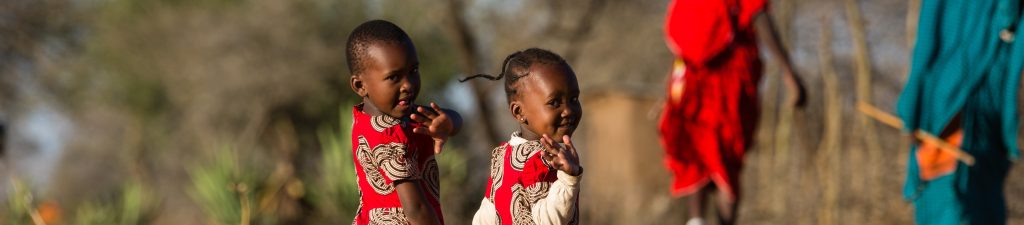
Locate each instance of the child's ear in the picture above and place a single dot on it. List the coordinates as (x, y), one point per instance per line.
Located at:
(517, 111)
(357, 85)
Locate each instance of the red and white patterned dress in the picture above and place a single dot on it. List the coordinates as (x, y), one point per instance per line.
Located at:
(385, 150)
(523, 189)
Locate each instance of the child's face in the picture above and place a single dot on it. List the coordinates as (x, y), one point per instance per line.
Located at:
(390, 79)
(549, 101)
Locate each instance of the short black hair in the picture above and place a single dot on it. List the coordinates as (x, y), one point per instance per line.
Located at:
(371, 32)
(517, 65)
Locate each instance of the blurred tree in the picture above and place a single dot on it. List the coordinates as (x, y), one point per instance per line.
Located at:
(162, 83)
(474, 60)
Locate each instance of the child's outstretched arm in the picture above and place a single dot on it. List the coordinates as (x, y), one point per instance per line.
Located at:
(438, 123)
(557, 207)
(765, 28)
(414, 204)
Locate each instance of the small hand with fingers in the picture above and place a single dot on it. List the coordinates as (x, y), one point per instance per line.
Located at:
(436, 124)
(797, 92)
(564, 158)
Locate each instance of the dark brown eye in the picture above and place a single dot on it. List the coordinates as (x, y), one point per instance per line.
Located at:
(554, 103)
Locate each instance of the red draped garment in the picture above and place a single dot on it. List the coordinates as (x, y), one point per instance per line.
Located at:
(712, 107)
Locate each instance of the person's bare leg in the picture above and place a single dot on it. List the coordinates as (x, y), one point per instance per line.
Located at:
(726, 208)
(696, 202)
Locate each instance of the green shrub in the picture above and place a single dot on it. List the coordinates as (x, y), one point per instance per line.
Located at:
(336, 195)
(133, 205)
(225, 190)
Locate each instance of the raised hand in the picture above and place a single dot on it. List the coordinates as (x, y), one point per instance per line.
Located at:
(564, 158)
(436, 123)
(797, 92)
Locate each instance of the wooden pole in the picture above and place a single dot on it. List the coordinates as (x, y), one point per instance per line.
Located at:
(862, 66)
(863, 182)
(895, 122)
(829, 163)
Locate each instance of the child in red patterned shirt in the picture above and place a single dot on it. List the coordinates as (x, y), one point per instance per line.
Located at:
(534, 179)
(393, 140)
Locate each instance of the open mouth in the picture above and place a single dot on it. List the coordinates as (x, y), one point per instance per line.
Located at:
(406, 101)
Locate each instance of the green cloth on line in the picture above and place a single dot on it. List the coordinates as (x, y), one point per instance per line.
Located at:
(960, 64)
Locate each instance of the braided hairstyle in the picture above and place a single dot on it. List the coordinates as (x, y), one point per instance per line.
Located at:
(368, 33)
(517, 65)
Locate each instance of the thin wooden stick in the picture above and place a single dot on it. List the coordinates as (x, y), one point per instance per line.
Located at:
(895, 122)
(880, 115)
(243, 199)
(33, 212)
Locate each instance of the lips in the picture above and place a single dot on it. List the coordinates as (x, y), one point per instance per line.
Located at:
(566, 126)
(405, 101)
(567, 123)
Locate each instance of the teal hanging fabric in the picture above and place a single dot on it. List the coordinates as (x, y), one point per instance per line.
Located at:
(965, 61)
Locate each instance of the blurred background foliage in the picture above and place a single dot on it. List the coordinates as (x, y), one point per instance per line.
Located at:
(229, 105)
(238, 111)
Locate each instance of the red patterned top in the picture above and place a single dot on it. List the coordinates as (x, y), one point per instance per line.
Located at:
(386, 150)
(520, 180)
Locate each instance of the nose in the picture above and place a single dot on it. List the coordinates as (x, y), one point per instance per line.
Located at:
(406, 87)
(410, 84)
(570, 111)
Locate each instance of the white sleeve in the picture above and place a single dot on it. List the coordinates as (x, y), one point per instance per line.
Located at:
(486, 215)
(557, 207)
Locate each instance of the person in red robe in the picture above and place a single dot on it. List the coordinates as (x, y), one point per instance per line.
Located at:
(712, 108)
